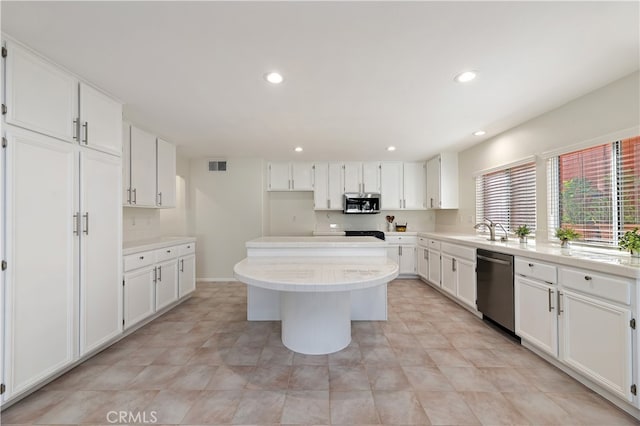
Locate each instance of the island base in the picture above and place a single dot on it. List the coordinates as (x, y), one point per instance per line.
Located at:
(316, 323)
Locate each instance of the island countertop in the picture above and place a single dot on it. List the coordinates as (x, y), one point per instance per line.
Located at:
(310, 242)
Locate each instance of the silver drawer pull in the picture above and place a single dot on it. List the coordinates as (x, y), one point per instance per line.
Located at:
(587, 278)
(531, 265)
(168, 251)
(141, 257)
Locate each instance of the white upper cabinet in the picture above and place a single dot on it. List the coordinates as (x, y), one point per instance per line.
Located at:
(328, 186)
(361, 177)
(100, 121)
(285, 176)
(166, 169)
(403, 185)
(143, 168)
(442, 181)
(40, 96)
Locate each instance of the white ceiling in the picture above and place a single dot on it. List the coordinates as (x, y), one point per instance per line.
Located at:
(359, 76)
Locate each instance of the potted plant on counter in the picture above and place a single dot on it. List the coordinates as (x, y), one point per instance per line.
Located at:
(522, 231)
(565, 235)
(631, 241)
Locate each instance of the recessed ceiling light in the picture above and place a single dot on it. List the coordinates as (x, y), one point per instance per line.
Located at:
(391, 148)
(479, 133)
(298, 149)
(466, 76)
(274, 77)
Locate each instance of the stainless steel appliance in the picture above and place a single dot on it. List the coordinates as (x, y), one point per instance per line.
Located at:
(361, 203)
(378, 234)
(494, 280)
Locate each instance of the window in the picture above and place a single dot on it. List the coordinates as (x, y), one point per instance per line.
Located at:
(596, 191)
(508, 196)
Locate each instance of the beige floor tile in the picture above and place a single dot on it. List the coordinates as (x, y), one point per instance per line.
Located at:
(230, 377)
(155, 377)
(448, 358)
(214, 408)
(273, 355)
(170, 406)
(208, 356)
(590, 409)
(550, 379)
(351, 355)
(193, 377)
(309, 377)
(301, 359)
(77, 379)
(482, 357)
(142, 356)
(540, 409)
(116, 377)
(348, 378)
(508, 379)
(378, 355)
(427, 379)
(491, 408)
(416, 356)
(32, 408)
(399, 407)
(433, 340)
(353, 407)
(447, 408)
(387, 378)
(270, 377)
(258, 407)
(175, 356)
(129, 401)
(468, 379)
(306, 407)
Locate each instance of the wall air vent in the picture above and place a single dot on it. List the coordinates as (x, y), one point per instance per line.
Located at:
(217, 166)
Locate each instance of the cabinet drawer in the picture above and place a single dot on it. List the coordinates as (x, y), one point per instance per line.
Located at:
(139, 260)
(396, 239)
(434, 245)
(459, 251)
(166, 253)
(186, 249)
(534, 269)
(423, 242)
(616, 289)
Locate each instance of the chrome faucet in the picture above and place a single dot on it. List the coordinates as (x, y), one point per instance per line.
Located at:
(491, 226)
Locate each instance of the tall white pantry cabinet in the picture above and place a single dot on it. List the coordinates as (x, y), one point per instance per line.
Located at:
(62, 216)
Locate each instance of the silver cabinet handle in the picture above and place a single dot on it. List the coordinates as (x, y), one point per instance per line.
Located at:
(76, 130)
(587, 278)
(181, 265)
(76, 224)
(159, 273)
(86, 223)
(454, 265)
(155, 275)
(135, 196)
(400, 203)
(328, 204)
(560, 310)
(531, 265)
(86, 133)
(168, 251)
(159, 198)
(141, 257)
(431, 201)
(399, 250)
(129, 195)
(550, 293)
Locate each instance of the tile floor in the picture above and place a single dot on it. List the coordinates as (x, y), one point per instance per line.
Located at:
(431, 363)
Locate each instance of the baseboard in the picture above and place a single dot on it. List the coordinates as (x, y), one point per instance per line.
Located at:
(214, 280)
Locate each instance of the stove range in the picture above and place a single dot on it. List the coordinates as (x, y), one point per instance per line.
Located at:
(377, 234)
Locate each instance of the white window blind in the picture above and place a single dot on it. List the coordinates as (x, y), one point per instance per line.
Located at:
(596, 191)
(508, 196)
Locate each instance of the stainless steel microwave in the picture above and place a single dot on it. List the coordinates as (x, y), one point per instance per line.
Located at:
(361, 203)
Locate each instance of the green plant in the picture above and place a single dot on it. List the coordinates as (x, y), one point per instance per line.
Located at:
(582, 203)
(522, 231)
(567, 234)
(630, 241)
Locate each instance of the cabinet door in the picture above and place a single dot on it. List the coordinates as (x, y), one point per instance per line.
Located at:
(391, 185)
(407, 260)
(393, 253)
(596, 341)
(139, 295)
(143, 168)
(39, 95)
(101, 259)
(126, 164)
(536, 318)
(423, 262)
(302, 176)
(41, 293)
(434, 267)
(370, 177)
(166, 283)
(279, 176)
(187, 276)
(336, 185)
(320, 186)
(415, 182)
(467, 282)
(101, 121)
(352, 177)
(449, 274)
(433, 183)
(166, 167)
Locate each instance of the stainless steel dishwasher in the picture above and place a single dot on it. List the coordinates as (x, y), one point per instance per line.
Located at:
(494, 278)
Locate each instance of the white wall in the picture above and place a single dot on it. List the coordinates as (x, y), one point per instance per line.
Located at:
(610, 109)
(226, 211)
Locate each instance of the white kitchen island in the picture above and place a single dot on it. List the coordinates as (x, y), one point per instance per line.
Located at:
(316, 286)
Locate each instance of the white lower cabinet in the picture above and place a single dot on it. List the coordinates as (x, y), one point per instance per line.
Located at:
(422, 262)
(402, 249)
(536, 318)
(458, 272)
(139, 295)
(186, 275)
(448, 274)
(467, 282)
(166, 283)
(596, 341)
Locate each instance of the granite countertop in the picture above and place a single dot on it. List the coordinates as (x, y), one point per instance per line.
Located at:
(603, 260)
(137, 246)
